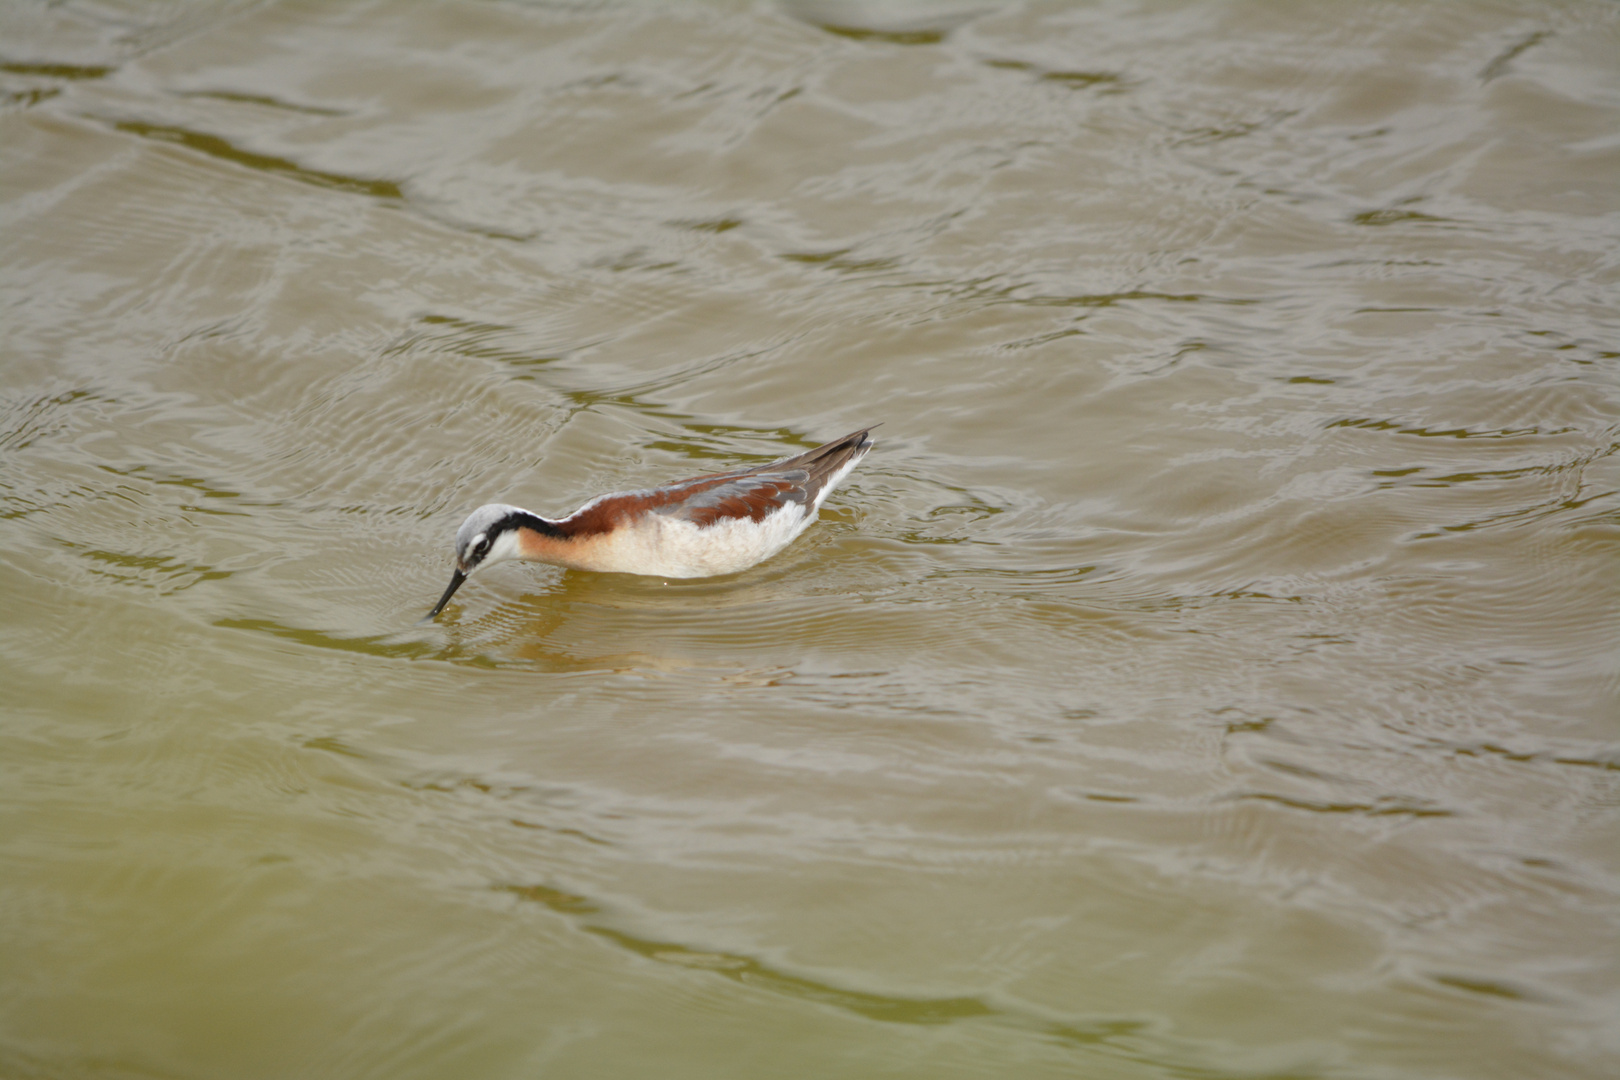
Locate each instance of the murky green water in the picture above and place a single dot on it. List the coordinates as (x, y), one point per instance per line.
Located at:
(1212, 672)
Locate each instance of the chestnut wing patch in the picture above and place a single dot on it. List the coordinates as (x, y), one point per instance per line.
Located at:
(742, 496)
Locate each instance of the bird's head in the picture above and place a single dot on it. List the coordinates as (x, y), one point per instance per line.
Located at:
(488, 536)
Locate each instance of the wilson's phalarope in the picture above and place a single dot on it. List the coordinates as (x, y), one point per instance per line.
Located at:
(718, 523)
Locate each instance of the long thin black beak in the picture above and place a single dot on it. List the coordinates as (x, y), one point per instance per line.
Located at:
(455, 583)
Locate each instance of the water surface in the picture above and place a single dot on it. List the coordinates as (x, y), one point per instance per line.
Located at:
(1211, 673)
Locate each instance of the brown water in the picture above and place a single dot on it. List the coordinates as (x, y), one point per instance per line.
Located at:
(1212, 672)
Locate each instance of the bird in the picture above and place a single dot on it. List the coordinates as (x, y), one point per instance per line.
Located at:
(718, 523)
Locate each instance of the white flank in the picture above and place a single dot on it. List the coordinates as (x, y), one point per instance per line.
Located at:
(663, 546)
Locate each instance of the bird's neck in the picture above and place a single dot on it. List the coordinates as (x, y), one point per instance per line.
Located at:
(524, 520)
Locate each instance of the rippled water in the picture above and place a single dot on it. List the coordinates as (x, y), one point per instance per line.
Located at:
(1211, 673)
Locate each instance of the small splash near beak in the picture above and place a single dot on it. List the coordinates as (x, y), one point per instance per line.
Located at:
(455, 583)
